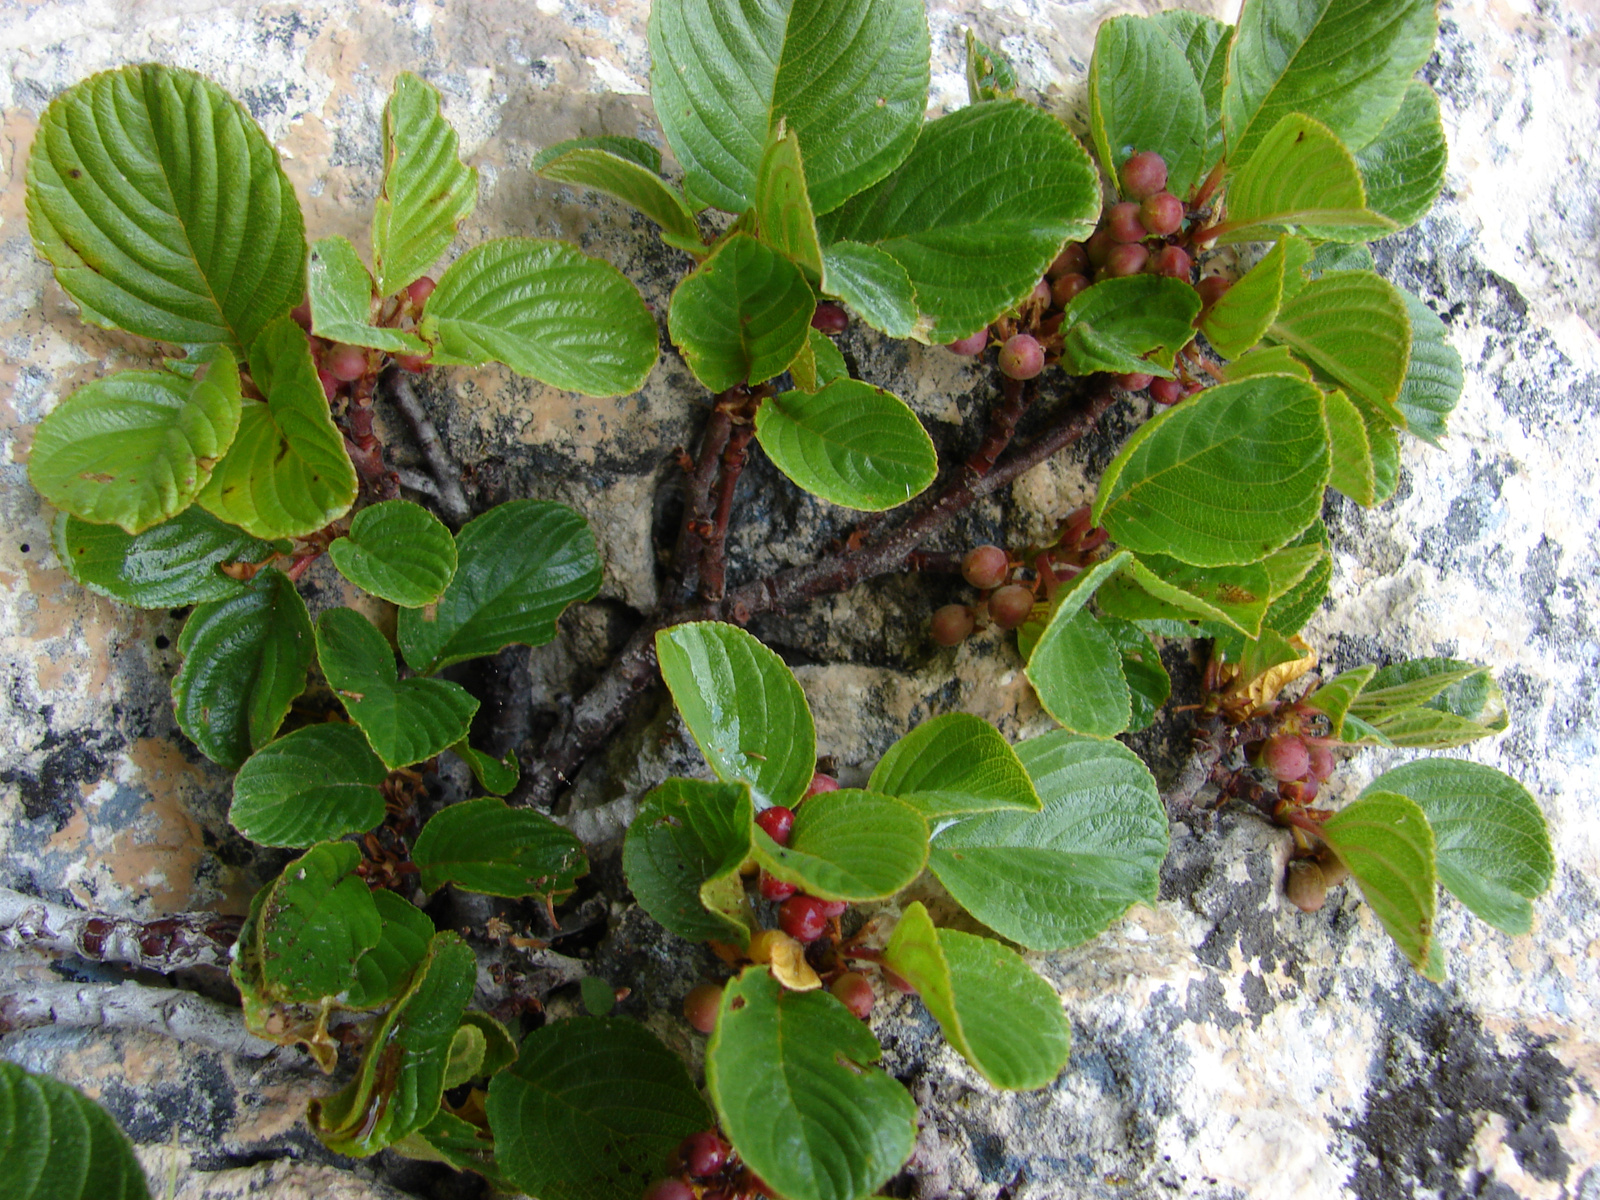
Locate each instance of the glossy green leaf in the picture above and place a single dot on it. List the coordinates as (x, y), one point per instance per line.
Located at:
(682, 857)
(287, 473)
(500, 1049)
(1158, 588)
(742, 315)
(1334, 697)
(57, 1144)
(458, 1143)
(790, 1075)
(998, 1014)
(783, 205)
(1149, 685)
(1294, 605)
(976, 213)
(406, 720)
(1242, 317)
(1352, 472)
(1144, 96)
(312, 785)
(341, 301)
(487, 846)
(427, 191)
(164, 210)
(954, 764)
(630, 170)
(466, 1055)
(990, 75)
(244, 661)
(851, 83)
(545, 310)
(851, 443)
(849, 845)
(519, 566)
(398, 551)
(1347, 63)
(1301, 179)
(400, 1082)
(266, 1015)
(1385, 840)
(134, 449)
(1052, 879)
(1385, 443)
(1403, 167)
(743, 707)
(591, 1110)
(1492, 844)
(1114, 324)
(1266, 360)
(1353, 327)
(1074, 666)
(495, 775)
(1204, 42)
(167, 566)
(385, 971)
(1433, 380)
(818, 364)
(318, 919)
(872, 283)
(1224, 478)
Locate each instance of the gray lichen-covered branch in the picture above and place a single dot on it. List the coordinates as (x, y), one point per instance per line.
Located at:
(165, 945)
(166, 1011)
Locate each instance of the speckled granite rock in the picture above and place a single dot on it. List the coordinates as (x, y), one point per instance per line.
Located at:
(1225, 1044)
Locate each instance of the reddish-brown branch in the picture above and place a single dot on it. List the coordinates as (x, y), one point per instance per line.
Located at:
(690, 550)
(714, 559)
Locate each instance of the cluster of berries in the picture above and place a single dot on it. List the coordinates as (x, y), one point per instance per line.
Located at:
(339, 366)
(1300, 765)
(707, 1168)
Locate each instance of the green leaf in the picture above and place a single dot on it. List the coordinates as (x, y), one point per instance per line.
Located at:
(57, 1144)
(385, 971)
(1492, 844)
(341, 301)
(545, 310)
(599, 997)
(1224, 478)
(682, 857)
(849, 845)
(851, 443)
(592, 1110)
(620, 167)
(952, 765)
(1204, 42)
(741, 316)
(398, 551)
(466, 1054)
(164, 210)
(1346, 63)
(519, 566)
(1408, 684)
(1385, 444)
(830, 362)
(400, 1082)
(1403, 167)
(1242, 317)
(134, 449)
(1431, 703)
(1334, 697)
(496, 775)
(244, 661)
(1353, 327)
(1143, 95)
(487, 846)
(427, 191)
(1385, 840)
(167, 566)
(1352, 471)
(500, 1050)
(1266, 360)
(976, 213)
(852, 86)
(782, 205)
(1149, 685)
(1301, 179)
(790, 1077)
(312, 785)
(287, 473)
(317, 920)
(872, 283)
(990, 75)
(406, 720)
(1114, 324)
(743, 707)
(1052, 879)
(1074, 666)
(998, 1014)
(1158, 588)
(1433, 379)
(1292, 607)
(457, 1143)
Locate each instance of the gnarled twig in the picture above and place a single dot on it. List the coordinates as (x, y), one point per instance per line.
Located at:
(166, 944)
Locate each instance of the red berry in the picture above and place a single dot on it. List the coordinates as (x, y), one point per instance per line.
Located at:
(833, 908)
(703, 1153)
(347, 363)
(1122, 222)
(1010, 606)
(975, 343)
(1066, 287)
(1212, 288)
(1305, 885)
(1041, 293)
(830, 319)
(330, 385)
(302, 314)
(776, 822)
(701, 1004)
(1134, 382)
(1166, 391)
(670, 1189)
(1321, 762)
(1071, 261)
(951, 625)
(1174, 263)
(821, 783)
(1021, 357)
(985, 566)
(1127, 260)
(803, 918)
(853, 990)
(1161, 214)
(420, 290)
(415, 363)
(1098, 246)
(1286, 756)
(1144, 174)
(775, 889)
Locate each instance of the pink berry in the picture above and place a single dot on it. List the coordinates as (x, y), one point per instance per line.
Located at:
(1321, 762)
(833, 908)
(420, 290)
(1011, 606)
(1021, 357)
(776, 822)
(985, 566)
(701, 1004)
(853, 990)
(803, 918)
(1144, 174)
(302, 314)
(821, 783)
(1161, 214)
(1286, 756)
(1212, 288)
(670, 1189)
(1166, 391)
(975, 343)
(1066, 287)
(347, 363)
(1134, 382)
(1127, 260)
(775, 889)
(703, 1153)
(415, 363)
(1071, 261)
(951, 625)
(330, 385)
(1098, 247)
(1174, 263)
(830, 319)
(1122, 220)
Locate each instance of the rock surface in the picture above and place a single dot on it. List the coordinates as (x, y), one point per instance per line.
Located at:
(1226, 1045)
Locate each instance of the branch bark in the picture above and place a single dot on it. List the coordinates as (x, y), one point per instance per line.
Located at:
(167, 1011)
(165, 945)
(446, 474)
